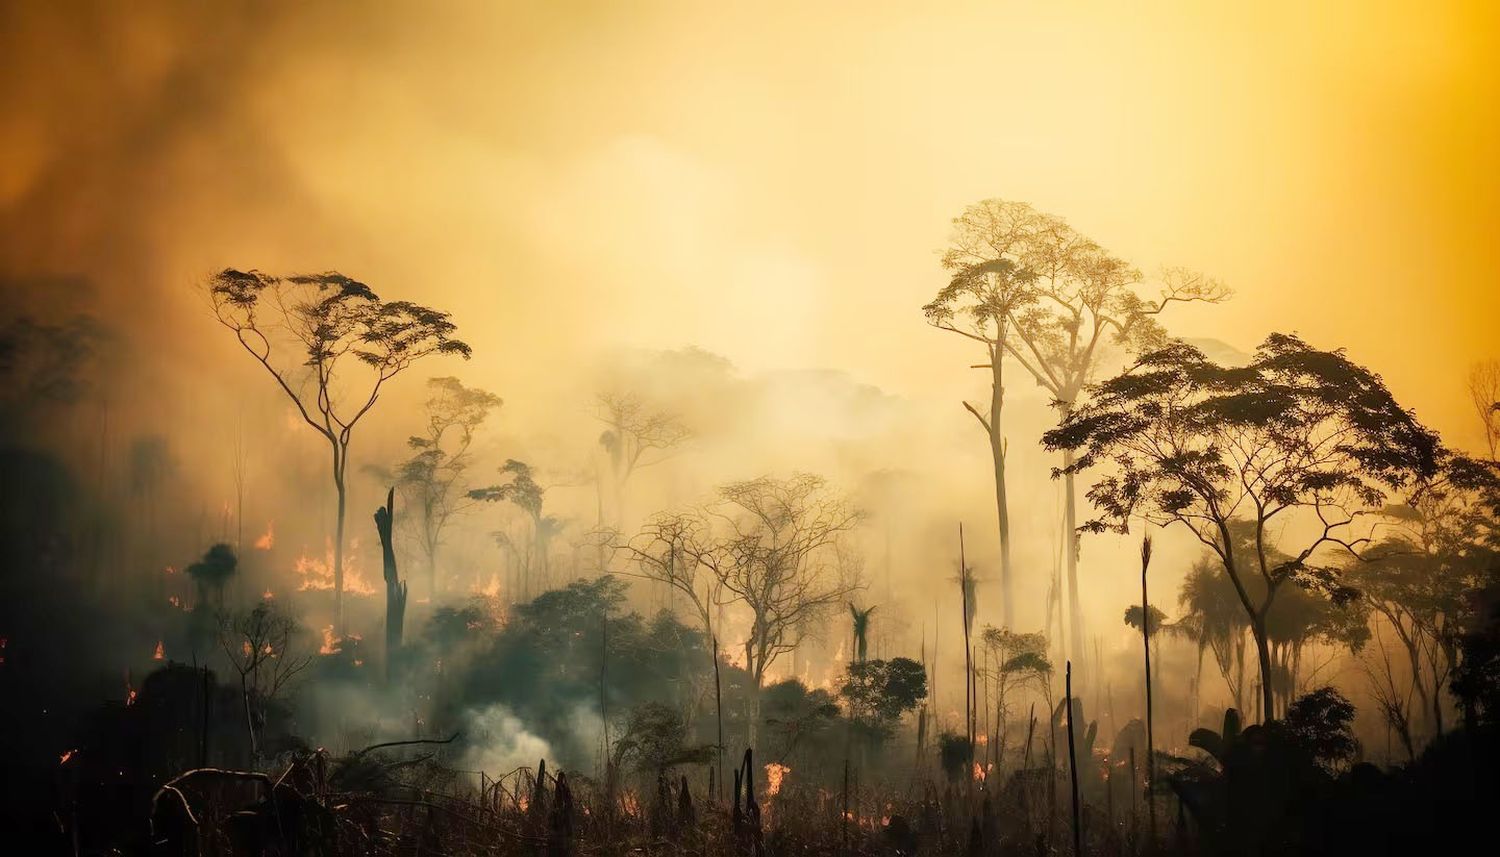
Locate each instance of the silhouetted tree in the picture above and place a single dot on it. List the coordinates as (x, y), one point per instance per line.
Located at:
(1037, 292)
(1215, 619)
(1201, 445)
(879, 692)
(860, 626)
(432, 480)
(772, 554)
(528, 495)
(635, 436)
(261, 645)
(1421, 578)
(1484, 395)
(1020, 660)
(211, 574)
(308, 332)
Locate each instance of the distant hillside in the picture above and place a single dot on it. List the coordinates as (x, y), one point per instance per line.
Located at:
(1218, 350)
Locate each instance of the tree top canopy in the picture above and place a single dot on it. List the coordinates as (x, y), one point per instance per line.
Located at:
(1202, 444)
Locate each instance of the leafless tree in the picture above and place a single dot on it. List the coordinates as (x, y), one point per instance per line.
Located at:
(773, 550)
(313, 334)
(1484, 392)
(261, 645)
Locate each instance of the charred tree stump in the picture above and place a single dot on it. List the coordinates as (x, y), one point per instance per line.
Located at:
(1073, 764)
(686, 817)
(560, 826)
(395, 588)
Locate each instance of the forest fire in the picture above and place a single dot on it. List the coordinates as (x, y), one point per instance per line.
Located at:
(267, 539)
(490, 589)
(682, 396)
(317, 573)
(775, 773)
(332, 645)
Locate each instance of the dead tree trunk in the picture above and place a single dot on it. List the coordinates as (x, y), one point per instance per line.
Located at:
(395, 588)
(1150, 724)
(1073, 764)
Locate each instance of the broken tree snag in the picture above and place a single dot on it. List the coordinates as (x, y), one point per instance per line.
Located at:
(560, 825)
(395, 588)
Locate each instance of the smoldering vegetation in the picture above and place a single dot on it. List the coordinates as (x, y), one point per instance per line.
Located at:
(650, 625)
(419, 556)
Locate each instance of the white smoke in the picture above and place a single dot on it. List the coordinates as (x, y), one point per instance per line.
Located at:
(499, 742)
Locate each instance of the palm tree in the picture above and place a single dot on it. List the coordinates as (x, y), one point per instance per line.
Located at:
(861, 621)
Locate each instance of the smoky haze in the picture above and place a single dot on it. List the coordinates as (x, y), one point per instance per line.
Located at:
(611, 198)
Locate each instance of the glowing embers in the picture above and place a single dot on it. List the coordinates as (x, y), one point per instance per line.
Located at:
(316, 574)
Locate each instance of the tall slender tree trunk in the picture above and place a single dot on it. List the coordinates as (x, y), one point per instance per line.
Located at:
(1070, 552)
(1073, 765)
(718, 711)
(1263, 653)
(963, 587)
(395, 588)
(338, 543)
(1150, 719)
(1002, 506)
(753, 721)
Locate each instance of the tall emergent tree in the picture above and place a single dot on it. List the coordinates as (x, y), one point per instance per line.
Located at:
(432, 479)
(1037, 292)
(313, 333)
(1298, 436)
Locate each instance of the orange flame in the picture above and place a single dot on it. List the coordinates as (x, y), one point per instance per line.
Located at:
(68, 755)
(488, 590)
(775, 773)
(331, 645)
(317, 574)
(159, 653)
(267, 595)
(267, 539)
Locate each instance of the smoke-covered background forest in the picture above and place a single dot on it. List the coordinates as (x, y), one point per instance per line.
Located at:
(723, 369)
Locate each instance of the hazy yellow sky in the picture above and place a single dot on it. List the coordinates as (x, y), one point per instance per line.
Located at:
(770, 181)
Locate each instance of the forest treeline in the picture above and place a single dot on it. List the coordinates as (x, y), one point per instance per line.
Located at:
(712, 675)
